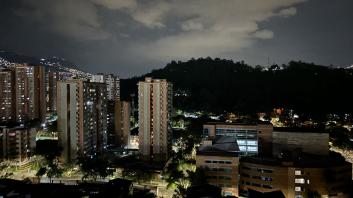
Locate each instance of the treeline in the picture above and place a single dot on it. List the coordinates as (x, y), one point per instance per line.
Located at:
(219, 85)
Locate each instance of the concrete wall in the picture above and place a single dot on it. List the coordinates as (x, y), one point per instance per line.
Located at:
(313, 143)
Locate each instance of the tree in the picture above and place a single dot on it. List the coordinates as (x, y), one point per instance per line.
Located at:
(198, 177)
(41, 171)
(94, 166)
(54, 171)
(137, 174)
(51, 152)
(4, 173)
(341, 137)
(145, 193)
(313, 194)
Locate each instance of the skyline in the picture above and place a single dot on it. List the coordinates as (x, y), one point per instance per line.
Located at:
(133, 37)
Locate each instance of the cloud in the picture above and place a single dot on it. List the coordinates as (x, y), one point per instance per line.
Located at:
(161, 29)
(76, 19)
(288, 12)
(116, 4)
(191, 25)
(152, 13)
(263, 34)
(212, 28)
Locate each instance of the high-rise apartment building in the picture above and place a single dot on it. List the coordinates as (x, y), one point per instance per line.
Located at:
(6, 96)
(82, 117)
(122, 123)
(155, 109)
(22, 108)
(113, 96)
(50, 80)
(113, 84)
(39, 92)
(26, 86)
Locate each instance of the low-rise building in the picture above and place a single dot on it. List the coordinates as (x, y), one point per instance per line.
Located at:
(220, 159)
(252, 138)
(297, 176)
(308, 140)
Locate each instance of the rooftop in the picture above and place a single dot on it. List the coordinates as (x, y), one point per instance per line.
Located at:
(299, 160)
(221, 146)
(247, 123)
(300, 129)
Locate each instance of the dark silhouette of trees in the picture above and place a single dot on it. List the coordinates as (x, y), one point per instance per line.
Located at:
(51, 151)
(198, 177)
(341, 137)
(219, 85)
(94, 166)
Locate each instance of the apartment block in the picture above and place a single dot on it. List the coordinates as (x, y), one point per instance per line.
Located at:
(155, 111)
(82, 117)
(29, 93)
(17, 143)
(7, 107)
(122, 123)
(113, 84)
(51, 79)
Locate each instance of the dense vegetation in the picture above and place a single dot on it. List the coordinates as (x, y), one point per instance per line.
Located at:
(218, 85)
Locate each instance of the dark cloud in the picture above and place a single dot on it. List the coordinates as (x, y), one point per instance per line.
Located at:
(130, 37)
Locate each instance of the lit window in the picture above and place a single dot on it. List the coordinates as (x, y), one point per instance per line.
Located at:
(298, 189)
(299, 181)
(298, 172)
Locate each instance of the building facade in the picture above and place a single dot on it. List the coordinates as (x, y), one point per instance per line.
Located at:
(122, 123)
(82, 117)
(252, 138)
(39, 98)
(113, 84)
(155, 111)
(17, 143)
(113, 96)
(311, 176)
(51, 79)
(313, 141)
(220, 161)
(22, 93)
(6, 96)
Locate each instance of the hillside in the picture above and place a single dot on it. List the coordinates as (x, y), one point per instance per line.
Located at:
(223, 85)
(52, 63)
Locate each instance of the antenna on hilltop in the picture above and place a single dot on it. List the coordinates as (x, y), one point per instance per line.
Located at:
(268, 60)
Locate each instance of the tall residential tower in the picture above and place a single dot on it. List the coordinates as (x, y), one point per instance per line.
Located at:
(155, 109)
(22, 93)
(6, 96)
(82, 117)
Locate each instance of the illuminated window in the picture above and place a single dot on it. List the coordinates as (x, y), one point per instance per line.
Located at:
(298, 172)
(299, 181)
(298, 189)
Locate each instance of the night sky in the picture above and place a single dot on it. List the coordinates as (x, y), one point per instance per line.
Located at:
(132, 37)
